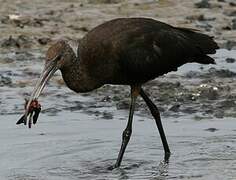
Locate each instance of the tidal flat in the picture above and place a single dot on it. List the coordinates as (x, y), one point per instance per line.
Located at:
(78, 136)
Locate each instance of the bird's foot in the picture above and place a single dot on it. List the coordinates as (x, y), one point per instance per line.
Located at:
(113, 167)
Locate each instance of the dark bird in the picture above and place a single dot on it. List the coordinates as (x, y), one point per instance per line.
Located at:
(126, 51)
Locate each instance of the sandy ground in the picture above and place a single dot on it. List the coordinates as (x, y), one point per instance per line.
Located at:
(78, 136)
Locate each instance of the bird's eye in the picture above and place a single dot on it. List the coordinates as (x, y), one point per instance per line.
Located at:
(58, 57)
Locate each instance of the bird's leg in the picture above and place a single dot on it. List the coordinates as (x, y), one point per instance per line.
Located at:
(128, 130)
(156, 114)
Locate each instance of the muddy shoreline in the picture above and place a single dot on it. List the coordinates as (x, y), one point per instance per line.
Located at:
(194, 102)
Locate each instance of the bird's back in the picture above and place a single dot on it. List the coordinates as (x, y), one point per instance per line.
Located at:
(135, 50)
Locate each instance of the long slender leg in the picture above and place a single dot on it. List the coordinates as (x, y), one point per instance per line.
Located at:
(156, 114)
(128, 130)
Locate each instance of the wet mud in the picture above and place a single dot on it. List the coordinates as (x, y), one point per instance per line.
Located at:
(78, 135)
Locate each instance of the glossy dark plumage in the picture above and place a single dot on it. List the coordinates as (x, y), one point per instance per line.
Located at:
(135, 50)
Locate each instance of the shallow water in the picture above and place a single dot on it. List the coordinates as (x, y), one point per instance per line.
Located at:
(76, 146)
(79, 136)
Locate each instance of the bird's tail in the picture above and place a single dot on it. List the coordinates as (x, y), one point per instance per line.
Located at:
(203, 45)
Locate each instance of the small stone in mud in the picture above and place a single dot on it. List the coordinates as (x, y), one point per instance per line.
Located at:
(85, 29)
(24, 41)
(103, 1)
(175, 108)
(234, 24)
(203, 4)
(107, 115)
(227, 28)
(219, 114)
(232, 4)
(230, 45)
(222, 73)
(230, 60)
(5, 81)
(189, 110)
(44, 41)
(211, 129)
(200, 17)
(77, 28)
(122, 105)
(196, 17)
(205, 26)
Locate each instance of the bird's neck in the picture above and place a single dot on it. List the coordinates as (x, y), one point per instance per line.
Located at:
(75, 76)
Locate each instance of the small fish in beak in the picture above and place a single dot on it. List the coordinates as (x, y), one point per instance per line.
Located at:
(54, 61)
(32, 106)
(33, 111)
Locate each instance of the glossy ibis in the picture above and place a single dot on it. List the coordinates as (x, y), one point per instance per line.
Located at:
(126, 51)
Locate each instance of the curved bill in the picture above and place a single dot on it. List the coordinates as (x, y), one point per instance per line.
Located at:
(49, 69)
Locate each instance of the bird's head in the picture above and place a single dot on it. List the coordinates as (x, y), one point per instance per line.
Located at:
(57, 57)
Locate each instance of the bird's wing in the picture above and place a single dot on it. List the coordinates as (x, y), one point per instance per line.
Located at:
(149, 54)
(152, 54)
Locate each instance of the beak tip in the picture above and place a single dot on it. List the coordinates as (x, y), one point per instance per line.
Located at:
(21, 120)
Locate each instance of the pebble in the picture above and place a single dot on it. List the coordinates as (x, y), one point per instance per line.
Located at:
(200, 17)
(107, 115)
(44, 40)
(227, 28)
(203, 4)
(232, 4)
(231, 44)
(230, 60)
(122, 105)
(74, 108)
(219, 114)
(234, 24)
(103, 1)
(205, 26)
(175, 108)
(222, 73)
(5, 81)
(211, 129)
